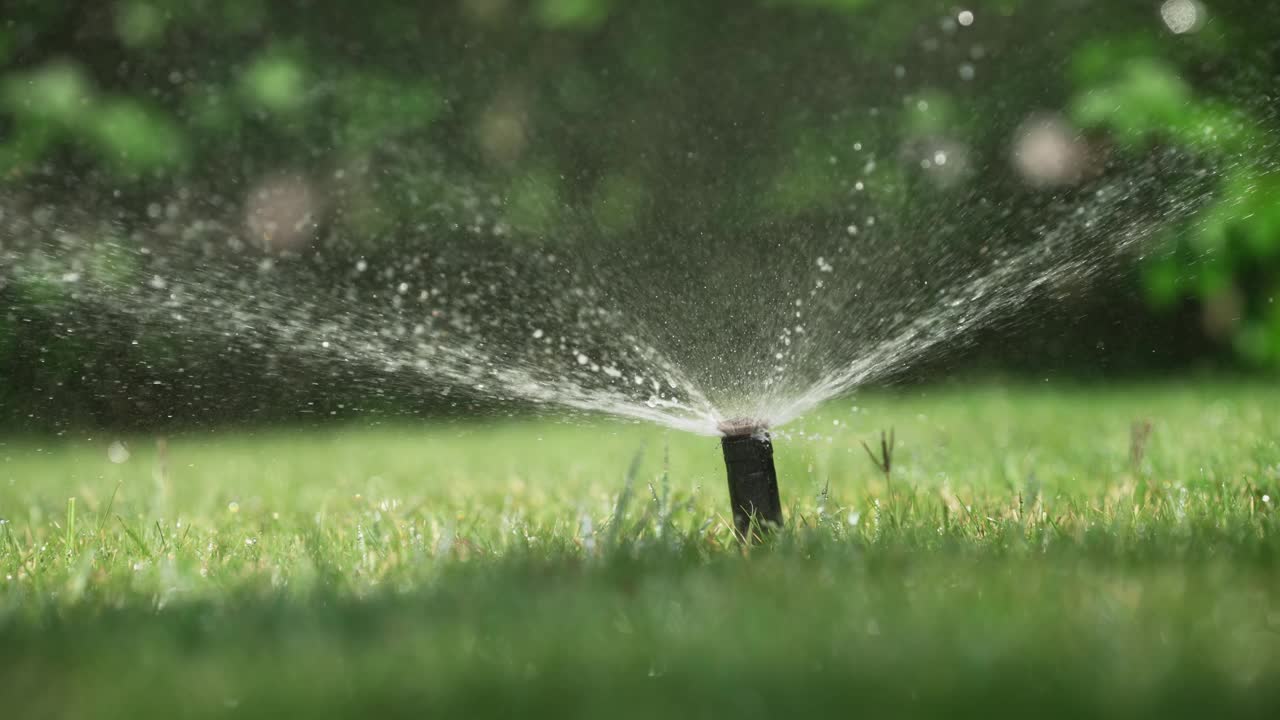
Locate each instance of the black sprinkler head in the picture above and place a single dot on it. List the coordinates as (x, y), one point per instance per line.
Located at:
(753, 481)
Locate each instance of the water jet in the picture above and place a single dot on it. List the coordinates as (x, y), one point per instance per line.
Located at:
(753, 480)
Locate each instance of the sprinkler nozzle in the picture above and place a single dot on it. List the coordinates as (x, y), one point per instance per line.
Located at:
(753, 481)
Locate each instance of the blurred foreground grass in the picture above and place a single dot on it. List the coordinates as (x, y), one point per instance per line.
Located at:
(1036, 553)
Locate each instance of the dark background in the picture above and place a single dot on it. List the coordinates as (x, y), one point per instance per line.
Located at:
(646, 123)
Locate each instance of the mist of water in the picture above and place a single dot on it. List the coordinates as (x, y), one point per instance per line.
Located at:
(815, 320)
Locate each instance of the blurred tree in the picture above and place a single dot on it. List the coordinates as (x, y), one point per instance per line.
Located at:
(1139, 90)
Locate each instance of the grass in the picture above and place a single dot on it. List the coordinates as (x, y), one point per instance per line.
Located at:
(1033, 552)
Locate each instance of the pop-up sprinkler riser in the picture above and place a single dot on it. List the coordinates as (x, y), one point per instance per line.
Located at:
(753, 481)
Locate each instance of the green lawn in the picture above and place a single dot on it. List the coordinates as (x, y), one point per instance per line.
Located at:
(1021, 562)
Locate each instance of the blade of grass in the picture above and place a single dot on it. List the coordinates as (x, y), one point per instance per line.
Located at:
(134, 537)
(69, 542)
(106, 513)
(624, 497)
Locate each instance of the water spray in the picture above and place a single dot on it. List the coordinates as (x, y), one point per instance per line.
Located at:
(753, 481)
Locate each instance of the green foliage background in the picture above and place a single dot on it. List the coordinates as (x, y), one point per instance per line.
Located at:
(554, 104)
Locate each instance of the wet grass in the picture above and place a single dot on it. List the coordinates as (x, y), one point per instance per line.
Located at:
(1034, 551)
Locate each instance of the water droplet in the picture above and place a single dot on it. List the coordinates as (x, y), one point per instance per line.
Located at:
(117, 452)
(1182, 16)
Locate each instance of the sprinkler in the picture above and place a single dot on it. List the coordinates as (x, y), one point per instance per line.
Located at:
(753, 481)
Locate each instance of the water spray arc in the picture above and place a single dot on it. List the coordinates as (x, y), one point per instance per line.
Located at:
(753, 480)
